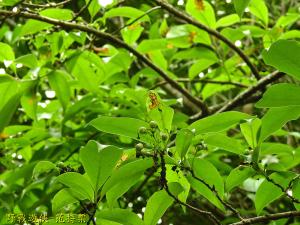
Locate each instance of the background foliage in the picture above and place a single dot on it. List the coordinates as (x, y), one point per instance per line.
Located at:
(153, 111)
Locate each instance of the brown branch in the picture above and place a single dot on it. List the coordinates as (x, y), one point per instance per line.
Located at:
(171, 9)
(82, 10)
(110, 38)
(204, 81)
(269, 217)
(251, 90)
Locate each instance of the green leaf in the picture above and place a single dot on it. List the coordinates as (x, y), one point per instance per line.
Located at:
(237, 176)
(296, 192)
(43, 167)
(34, 26)
(78, 183)
(151, 45)
(250, 129)
(128, 12)
(284, 55)
(132, 33)
(94, 7)
(121, 188)
(228, 20)
(274, 96)
(99, 162)
(206, 171)
(269, 192)
(121, 216)
(226, 143)
(125, 172)
(123, 126)
(201, 65)
(259, 9)
(203, 13)
(218, 122)
(60, 85)
(62, 199)
(156, 206)
(240, 6)
(183, 141)
(29, 60)
(6, 52)
(276, 118)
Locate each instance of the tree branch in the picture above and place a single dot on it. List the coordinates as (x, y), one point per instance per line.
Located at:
(48, 5)
(269, 217)
(114, 40)
(171, 9)
(251, 90)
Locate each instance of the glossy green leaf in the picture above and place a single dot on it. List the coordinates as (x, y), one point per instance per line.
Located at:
(99, 162)
(183, 141)
(273, 97)
(284, 55)
(218, 122)
(60, 85)
(94, 7)
(123, 126)
(250, 129)
(29, 60)
(276, 118)
(225, 143)
(296, 192)
(125, 172)
(121, 216)
(228, 20)
(269, 192)
(156, 206)
(6, 52)
(43, 167)
(128, 12)
(62, 199)
(240, 6)
(202, 11)
(238, 176)
(259, 9)
(82, 189)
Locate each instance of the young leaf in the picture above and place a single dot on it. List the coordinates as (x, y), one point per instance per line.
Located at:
(6, 52)
(123, 126)
(237, 176)
(183, 141)
(43, 167)
(78, 183)
(273, 97)
(250, 129)
(228, 20)
(156, 206)
(284, 55)
(218, 122)
(99, 162)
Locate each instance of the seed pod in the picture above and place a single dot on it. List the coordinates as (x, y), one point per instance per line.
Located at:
(139, 146)
(164, 136)
(142, 130)
(153, 124)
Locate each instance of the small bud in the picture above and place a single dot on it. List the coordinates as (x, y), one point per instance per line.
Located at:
(153, 124)
(142, 130)
(139, 146)
(164, 136)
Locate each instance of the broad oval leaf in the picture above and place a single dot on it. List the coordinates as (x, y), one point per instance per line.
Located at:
(156, 206)
(237, 176)
(123, 126)
(284, 55)
(183, 141)
(218, 122)
(121, 216)
(62, 199)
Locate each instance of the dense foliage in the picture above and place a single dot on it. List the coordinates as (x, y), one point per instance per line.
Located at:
(149, 112)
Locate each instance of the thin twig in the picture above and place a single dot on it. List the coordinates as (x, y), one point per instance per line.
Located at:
(82, 10)
(171, 9)
(204, 81)
(251, 90)
(112, 39)
(269, 217)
